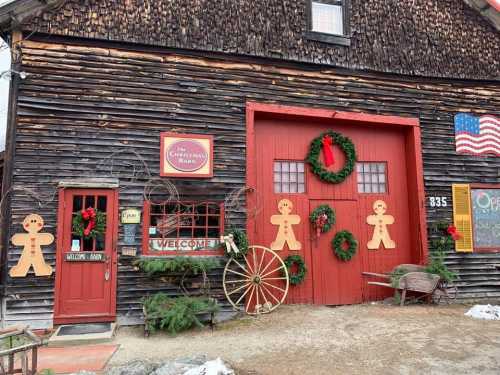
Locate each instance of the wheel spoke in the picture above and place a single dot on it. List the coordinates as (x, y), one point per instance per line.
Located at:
(261, 261)
(270, 272)
(248, 264)
(242, 296)
(274, 286)
(247, 305)
(272, 295)
(264, 295)
(254, 255)
(268, 264)
(243, 268)
(238, 273)
(273, 278)
(236, 281)
(237, 289)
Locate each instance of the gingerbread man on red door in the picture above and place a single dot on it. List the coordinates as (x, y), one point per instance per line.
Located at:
(380, 221)
(32, 253)
(285, 230)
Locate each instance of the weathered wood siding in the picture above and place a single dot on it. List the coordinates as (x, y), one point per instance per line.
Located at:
(444, 38)
(87, 112)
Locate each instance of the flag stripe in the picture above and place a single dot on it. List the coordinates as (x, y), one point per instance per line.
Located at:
(477, 135)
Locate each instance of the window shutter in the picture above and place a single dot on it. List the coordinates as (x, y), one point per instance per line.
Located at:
(462, 217)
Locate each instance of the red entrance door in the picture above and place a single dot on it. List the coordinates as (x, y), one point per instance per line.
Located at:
(281, 146)
(86, 267)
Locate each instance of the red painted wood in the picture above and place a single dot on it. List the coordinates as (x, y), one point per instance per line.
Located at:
(284, 133)
(82, 294)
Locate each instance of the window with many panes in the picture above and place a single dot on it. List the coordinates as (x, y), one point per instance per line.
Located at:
(371, 177)
(289, 176)
(329, 21)
(186, 227)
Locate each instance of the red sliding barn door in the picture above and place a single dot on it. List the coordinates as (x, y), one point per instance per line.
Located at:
(86, 267)
(281, 147)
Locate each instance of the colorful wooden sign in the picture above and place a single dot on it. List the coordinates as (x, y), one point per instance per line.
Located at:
(32, 252)
(285, 223)
(186, 155)
(131, 216)
(380, 221)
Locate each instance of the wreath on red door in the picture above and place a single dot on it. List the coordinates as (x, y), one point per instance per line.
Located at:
(322, 219)
(89, 223)
(325, 142)
(299, 276)
(338, 245)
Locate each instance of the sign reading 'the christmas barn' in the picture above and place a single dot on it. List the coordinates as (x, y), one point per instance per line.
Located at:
(186, 155)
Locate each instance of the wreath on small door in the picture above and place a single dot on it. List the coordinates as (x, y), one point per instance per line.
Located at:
(322, 218)
(325, 142)
(89, 223)
(338, 242)
(299, 276)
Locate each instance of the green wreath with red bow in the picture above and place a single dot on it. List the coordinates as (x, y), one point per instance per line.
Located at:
(89, 223)
(325, 143)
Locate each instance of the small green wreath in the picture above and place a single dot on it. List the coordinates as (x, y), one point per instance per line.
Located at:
(300, 275)
(324, 209)
(317, 167)
(338, 242)
(240, 240)
(81, 223)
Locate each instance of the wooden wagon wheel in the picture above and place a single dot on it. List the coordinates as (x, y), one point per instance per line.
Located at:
(257, 283)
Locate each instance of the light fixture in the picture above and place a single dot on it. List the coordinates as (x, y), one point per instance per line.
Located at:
(8, 74)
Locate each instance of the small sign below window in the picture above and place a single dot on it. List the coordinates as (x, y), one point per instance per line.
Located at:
(186, 155)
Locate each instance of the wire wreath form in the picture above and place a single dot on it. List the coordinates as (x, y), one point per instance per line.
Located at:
(317, 167)
(338, 242)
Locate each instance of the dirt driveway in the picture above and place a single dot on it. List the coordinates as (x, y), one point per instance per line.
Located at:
(362, 339)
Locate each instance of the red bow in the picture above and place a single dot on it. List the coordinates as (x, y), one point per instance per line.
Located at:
(320, 223)
(89, 215)
(327, 150)
(452, 231)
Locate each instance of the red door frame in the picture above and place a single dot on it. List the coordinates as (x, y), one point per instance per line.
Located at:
(59, 262)
(411, 127)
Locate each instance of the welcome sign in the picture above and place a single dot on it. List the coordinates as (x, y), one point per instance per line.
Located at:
(186, 155)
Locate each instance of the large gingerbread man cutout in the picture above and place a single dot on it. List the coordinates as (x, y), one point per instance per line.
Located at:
(32, 253)
(285, 230)
(380, 221)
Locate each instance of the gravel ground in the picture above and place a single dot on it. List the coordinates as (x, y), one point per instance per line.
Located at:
(360, 339)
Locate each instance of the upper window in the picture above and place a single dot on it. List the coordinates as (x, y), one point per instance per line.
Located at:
(372, 177)
(289, 176)
(329, 21)
(182, 227)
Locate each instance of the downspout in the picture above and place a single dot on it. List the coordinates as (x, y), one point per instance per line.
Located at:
(10, 143)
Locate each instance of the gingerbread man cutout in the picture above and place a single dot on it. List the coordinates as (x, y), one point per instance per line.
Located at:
(380, 232)
(32, 253)
(285, 230)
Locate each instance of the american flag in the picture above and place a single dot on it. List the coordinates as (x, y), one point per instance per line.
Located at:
(477, 135)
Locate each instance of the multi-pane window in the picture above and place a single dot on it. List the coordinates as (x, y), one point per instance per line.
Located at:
(289, 176)
(84, 202)
(182, 226)
(327, 17)
(372, 177)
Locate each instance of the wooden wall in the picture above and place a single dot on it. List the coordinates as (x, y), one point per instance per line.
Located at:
(87, 111)
(444, 38)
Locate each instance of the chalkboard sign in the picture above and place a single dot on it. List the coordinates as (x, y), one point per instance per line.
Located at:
(129, 231)
(486, 217)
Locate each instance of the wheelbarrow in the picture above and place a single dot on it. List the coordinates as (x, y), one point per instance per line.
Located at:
(414, 280)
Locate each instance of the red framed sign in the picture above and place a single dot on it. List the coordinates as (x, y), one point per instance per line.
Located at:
(186, 155)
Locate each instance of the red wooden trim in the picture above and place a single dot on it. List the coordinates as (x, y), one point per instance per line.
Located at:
(365, 118)
(484, 186)
(59, 251)
(210, 138)
(413, 156)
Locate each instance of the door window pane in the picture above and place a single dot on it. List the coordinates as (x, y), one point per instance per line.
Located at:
(372, 177)
(289, 176)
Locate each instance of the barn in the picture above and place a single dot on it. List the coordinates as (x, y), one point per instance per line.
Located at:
(169, 122)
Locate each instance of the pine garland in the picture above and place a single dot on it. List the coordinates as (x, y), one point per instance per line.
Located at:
(176, 314)
(191, 265)
(317, 167)
(300, 275)
(338, 242)
(79, 225)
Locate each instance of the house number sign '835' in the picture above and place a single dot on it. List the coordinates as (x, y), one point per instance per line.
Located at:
(438, 201)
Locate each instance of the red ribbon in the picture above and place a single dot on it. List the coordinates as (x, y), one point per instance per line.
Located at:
(327, 150)
(320, 223)
(89, 215)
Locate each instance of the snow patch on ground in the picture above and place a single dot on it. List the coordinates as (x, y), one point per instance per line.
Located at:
(488, 312)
